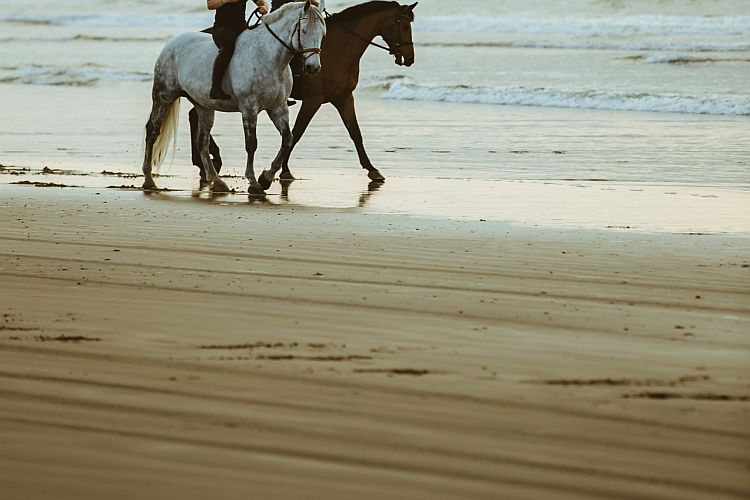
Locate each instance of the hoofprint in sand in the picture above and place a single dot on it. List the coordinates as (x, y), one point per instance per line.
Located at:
(176, 347)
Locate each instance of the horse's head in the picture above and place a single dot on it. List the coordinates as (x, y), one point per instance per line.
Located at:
(311, 29)
(398, 35)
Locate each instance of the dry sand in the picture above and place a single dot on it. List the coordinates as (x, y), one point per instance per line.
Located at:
(174, 348)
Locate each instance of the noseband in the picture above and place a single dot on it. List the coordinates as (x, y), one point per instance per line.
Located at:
(399, 48)
(298, 30)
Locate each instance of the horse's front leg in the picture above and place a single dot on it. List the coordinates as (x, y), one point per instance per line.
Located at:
(205, 123)
(280, 118)
(345, 107)
(310, 106)
(250, 122)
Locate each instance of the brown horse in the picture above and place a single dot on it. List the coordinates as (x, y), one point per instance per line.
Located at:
(349, 33)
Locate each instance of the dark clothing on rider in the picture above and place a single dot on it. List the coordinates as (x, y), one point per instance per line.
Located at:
(275, 4)
(232, 15)
(230, 21)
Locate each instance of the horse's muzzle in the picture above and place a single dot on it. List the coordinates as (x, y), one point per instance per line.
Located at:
(402, 60)
(312, 68)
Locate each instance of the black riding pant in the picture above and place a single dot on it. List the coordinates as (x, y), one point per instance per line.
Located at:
(225, 38)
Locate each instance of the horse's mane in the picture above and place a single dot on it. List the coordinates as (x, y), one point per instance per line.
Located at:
(362, 9)
(280, 12)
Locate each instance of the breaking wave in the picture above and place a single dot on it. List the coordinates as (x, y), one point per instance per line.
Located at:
(71, 77)
(658, 25)
(589, 26)
(85, 38)
(634, 45)
(113, 20)
(664, 103)
(676, 59)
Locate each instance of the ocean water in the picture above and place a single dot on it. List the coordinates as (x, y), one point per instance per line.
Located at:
(581, 99)
(670, 56)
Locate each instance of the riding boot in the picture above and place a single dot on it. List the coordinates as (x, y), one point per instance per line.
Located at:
(220, 66)
(297, 65)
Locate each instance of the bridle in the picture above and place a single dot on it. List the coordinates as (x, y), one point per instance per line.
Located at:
(395, 51)
(301, 51)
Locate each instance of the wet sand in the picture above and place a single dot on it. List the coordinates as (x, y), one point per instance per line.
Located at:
(170, 346)
(572, 169)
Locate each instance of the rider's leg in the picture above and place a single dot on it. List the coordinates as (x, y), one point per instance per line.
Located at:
(297, 65)
(225, 39)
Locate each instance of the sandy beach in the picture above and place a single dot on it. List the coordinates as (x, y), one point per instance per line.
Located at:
(548, 297)
(169, 347)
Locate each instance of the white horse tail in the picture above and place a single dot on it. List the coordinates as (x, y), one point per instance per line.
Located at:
(167, 134)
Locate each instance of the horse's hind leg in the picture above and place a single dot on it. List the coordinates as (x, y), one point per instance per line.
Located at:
(159, 111)
(345, 107)
(310, 106)
(195, 152)
(213, 148)
(202, 138)
(280, 118)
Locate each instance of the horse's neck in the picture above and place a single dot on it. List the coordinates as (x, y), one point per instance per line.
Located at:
(284, 28)
(367, 27)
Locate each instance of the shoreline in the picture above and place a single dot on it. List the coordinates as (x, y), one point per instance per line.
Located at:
(554, 205)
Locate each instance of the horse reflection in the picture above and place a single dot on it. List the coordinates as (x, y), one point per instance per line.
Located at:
(372, 188)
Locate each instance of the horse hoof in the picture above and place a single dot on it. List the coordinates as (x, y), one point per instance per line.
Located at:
(220, 187)
(374, 175)
(286, 176)
(149, 185)
(255, 191)
(265, 180)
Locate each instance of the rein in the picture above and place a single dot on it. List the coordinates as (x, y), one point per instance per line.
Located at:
(393, 51)
(290, 45)
(258, 18)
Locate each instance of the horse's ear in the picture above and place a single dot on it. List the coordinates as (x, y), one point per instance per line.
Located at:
(307, 5)
(411, 7)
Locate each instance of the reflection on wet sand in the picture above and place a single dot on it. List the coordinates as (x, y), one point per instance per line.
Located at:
(285, 183)
(563, 204)
(372, 188)
(584, 204)
(285, 197)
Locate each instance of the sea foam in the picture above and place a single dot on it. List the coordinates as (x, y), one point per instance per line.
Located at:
(658, 25)
(592, 99)
(640, 45)
(113, 20)
(90, 74)
(588, 26)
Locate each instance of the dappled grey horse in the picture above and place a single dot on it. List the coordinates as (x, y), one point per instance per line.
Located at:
(258, 79)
